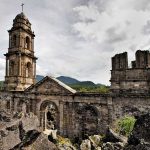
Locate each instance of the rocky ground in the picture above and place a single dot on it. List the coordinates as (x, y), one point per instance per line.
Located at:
(20, 132)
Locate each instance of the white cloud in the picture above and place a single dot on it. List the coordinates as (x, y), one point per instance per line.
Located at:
(77, 38)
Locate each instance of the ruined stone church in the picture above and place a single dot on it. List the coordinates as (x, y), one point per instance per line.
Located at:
(57, 106)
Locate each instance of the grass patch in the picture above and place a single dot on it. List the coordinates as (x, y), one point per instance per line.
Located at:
(124, 126)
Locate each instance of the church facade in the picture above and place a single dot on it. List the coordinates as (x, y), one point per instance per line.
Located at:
(57, 106)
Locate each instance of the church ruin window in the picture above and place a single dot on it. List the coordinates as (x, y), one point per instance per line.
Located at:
(29, 70)
(27, 43)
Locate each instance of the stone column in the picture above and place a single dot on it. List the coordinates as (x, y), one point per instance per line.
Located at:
(42, 120)
(7, 72)
(110, 109)
(61, 119)
(65, 119)
(20, 38)
(70, 124)
(17, 41)
(34, 74)
(9, 41)
(32, 44)
(19, 65)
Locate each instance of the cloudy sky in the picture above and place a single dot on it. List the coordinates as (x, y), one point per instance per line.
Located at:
(77, 38)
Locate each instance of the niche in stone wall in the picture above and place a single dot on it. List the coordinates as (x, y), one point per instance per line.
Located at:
(29, 72)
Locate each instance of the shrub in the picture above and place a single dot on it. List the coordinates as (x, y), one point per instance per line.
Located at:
(125, 125)
(62, 140)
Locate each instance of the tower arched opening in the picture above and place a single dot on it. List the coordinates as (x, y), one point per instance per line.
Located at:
(14, 41)
(12, 68)
(27, 43)
(29, 70)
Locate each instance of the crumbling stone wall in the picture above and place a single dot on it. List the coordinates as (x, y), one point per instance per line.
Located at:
(142, 59)
(134, 105)
(75, 115)
(135, 79)
(80, 114)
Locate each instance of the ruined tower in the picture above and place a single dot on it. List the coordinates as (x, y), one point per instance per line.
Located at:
(134, 79)
(20, 59)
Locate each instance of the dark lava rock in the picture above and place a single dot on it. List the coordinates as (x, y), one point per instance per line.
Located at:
(28, 139)
(21, 131)
(12, 128)
(138, 147)
(140, 137)
(35, 140)
(141, 129)
(113, 137)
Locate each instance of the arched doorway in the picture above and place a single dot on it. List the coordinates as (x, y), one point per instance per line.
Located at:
(49, 116)
(88, 117)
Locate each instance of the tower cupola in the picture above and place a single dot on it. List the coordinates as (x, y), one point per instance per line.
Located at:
(20, 59)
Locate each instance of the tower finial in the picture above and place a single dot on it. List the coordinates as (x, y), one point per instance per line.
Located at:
(22, 6)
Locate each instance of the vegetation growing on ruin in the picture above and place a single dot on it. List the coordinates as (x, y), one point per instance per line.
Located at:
(86, 88)
(124, 126)
(62, 140)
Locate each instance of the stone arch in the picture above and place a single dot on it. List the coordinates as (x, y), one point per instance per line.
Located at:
(49, 115)
(88, 119)
(27, 42)
(29, 70)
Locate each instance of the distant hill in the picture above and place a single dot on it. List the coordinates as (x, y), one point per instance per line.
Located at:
(82, 86)
(73, 81)
(39, 77)
(68, 80)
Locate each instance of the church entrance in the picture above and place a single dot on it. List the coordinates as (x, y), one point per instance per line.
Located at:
(87, 121)
(49, 118)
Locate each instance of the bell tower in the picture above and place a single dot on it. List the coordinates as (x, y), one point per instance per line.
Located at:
(20, 59)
